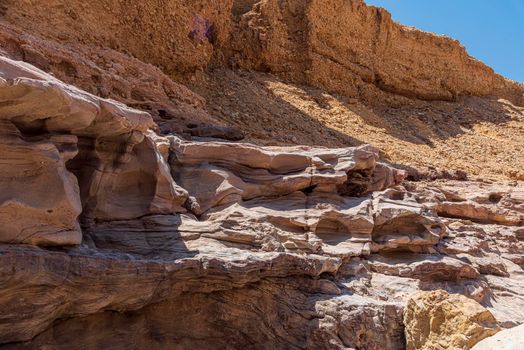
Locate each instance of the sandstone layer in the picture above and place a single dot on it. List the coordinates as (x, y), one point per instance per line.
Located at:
(133, 218)
(297, 238)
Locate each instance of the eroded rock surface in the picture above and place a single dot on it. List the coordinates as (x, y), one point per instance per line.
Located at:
(125, 228)
(178, 60)
(29, 212)
(438, 320)
(344, 46)
(326, 43)
(45, 126)
(176, 242)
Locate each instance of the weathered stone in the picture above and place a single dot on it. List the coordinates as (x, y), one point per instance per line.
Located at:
(233, 172)
(329, 230)
(185, 241)
(438, 320)
(50, 132)
(39, 197)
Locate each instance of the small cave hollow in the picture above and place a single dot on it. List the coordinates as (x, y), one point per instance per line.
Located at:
(357, 183)
(403, 226)
(495, 198)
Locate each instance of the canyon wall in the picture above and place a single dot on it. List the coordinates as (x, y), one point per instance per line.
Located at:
(341, 45)
(353, 49)
(132, 217)
(177, 243)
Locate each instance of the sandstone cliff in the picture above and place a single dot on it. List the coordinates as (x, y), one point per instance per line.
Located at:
(130, 218)
(344, 46)
(179, 61)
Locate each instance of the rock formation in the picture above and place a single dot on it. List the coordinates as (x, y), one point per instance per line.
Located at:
(178, 61)
(437, 320)
(316, 42)
(133, 218)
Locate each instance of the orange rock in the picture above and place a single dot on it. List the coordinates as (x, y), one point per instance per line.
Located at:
(438, 320)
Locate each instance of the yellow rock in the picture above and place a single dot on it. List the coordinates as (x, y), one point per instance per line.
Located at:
(437, 320)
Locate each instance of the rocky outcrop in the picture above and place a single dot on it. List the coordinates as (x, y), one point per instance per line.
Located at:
(242, 171)
(175, 35)
(477, 136)
(438, 320)
(29, 213)
(343, 46)
(134, 224)
(183, 242)
(108, 73)
(487, 203)
(351, 48)
(46, 126)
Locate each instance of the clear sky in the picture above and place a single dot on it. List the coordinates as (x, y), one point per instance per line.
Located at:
(491, 30)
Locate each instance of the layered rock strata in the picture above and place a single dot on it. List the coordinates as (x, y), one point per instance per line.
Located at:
(160, 241)
(47, 126)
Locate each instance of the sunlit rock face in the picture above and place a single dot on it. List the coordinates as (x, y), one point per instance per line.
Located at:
(178, 243)
(438, 320)
(139, 224)
(509, 339)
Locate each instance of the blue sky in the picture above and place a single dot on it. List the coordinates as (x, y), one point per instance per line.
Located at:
(491, 30)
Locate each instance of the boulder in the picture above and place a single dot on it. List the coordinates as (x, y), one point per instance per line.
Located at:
(440, 321)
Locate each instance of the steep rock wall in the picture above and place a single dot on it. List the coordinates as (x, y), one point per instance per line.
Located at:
(177, 36)
(342, 45)
(354, 49)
